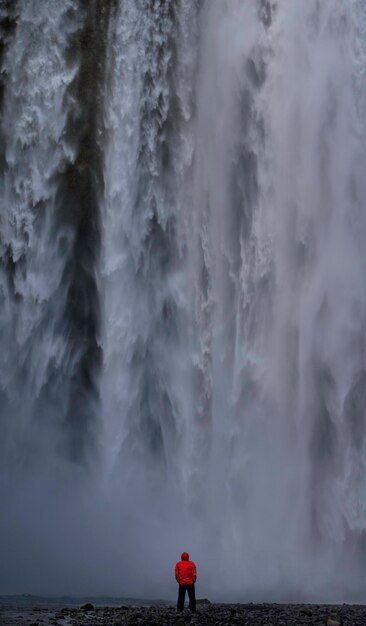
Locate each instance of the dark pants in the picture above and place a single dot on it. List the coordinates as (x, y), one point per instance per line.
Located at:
(182, 595)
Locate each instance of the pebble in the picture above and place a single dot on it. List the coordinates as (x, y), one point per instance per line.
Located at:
(207, 615)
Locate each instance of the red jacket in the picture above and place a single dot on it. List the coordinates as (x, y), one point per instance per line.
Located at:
(185, 571)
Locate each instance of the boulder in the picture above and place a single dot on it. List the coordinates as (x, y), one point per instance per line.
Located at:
(202, 601)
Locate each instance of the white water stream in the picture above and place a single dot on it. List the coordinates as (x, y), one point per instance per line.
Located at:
(183, 320)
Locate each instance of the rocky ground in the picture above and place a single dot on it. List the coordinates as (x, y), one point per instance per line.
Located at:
(207, 614)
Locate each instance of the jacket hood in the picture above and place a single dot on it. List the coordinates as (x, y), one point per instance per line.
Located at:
(185, 556)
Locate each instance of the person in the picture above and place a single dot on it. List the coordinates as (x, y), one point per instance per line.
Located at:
(186, 576)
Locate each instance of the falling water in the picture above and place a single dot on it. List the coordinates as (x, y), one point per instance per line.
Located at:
(183, 319)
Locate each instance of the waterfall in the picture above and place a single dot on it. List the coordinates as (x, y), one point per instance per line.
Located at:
(183, 355)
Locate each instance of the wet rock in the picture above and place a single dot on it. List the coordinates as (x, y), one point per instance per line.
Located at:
(215, 614)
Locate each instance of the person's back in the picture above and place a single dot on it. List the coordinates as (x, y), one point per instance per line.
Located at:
(186, 576)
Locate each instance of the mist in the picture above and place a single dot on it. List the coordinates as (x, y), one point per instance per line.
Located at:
(183, 303)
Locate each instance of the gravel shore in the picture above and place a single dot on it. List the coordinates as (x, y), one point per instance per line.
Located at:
(207, 615)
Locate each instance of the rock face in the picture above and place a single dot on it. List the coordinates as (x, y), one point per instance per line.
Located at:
(207, 615)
